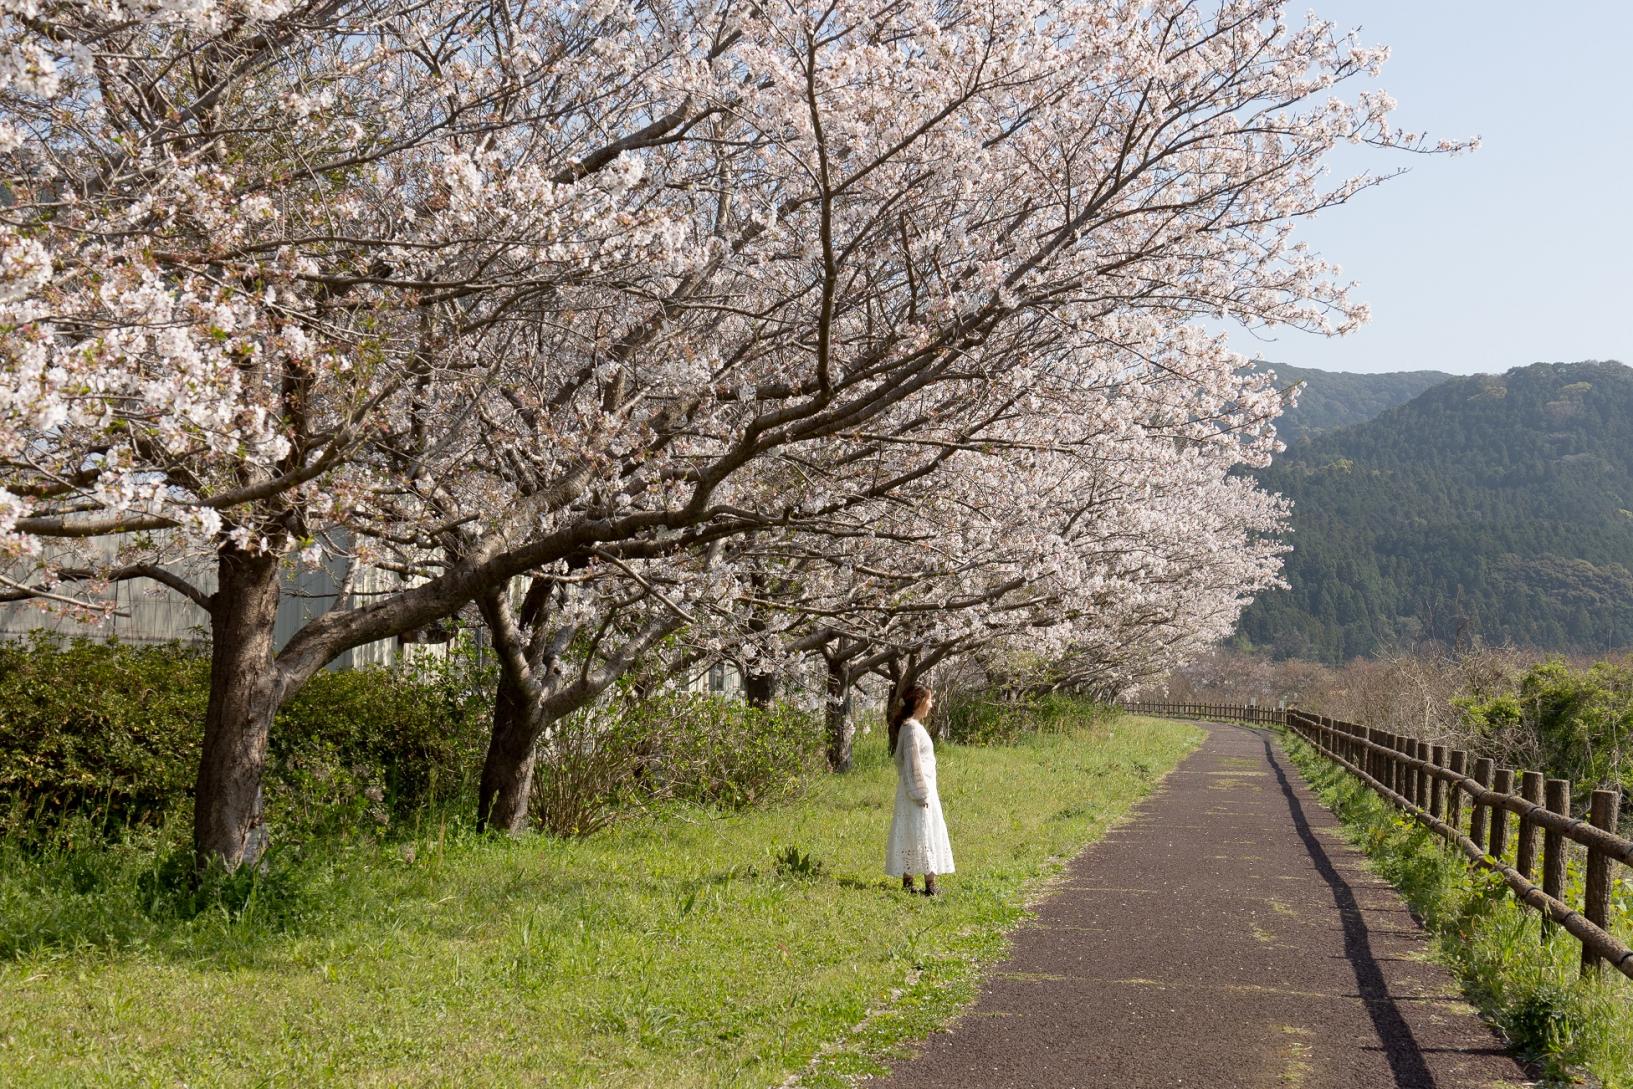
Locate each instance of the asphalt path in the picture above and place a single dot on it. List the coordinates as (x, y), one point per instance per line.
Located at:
(1223, 936)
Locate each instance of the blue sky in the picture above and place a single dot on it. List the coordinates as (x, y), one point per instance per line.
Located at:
(1519, 252)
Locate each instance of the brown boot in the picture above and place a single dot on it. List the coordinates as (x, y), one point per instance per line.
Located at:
(930, 885)
(907, 883)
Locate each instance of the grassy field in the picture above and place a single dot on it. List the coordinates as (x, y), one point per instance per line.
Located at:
(683, 950)
(1530, 990)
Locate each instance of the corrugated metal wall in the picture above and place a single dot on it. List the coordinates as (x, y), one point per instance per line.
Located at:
(145, 611)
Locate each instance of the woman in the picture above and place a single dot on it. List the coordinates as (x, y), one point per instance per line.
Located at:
(918, 834)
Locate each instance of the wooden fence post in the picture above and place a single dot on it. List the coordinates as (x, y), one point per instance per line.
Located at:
(1477, 813)
(1419, 750)
(1553, 847)
(1437, 789)
(1502, 783)
(1601, 814)
(1525, 851)
(1454, 791)
(1403, 774)
(1414, 776)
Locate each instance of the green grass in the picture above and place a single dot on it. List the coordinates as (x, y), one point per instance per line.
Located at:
(1531, 991)
(685, 950)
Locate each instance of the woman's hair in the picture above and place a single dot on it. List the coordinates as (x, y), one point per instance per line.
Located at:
(915, 704)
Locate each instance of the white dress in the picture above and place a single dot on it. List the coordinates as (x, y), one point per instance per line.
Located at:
(918, 833)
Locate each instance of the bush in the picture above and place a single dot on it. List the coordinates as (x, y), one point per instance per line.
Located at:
(98, 728)
(381, 744)
(112, 732)
(109, 734)
(626, 754)
(1574, 724)
(985, 718)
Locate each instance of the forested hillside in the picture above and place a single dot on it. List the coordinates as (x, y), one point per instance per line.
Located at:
(1340, 398)
(1497, 509)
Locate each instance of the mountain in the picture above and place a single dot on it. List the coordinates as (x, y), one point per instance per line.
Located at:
(1341, 398)
(1491, 509)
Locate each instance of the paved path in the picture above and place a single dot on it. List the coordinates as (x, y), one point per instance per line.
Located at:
(1224, 935)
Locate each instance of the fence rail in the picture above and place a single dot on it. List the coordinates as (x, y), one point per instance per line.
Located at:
(1239, 712)
(1430, 784)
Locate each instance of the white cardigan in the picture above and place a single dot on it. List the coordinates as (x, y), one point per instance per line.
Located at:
(918, 832)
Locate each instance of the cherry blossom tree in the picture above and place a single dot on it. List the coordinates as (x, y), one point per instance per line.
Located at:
(465, 295)
(1095, 510)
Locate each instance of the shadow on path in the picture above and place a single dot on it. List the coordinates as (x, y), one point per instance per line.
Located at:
(1400, 1046)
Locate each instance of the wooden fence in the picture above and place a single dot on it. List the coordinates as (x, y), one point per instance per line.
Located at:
(1430, 784)
(1241, 713)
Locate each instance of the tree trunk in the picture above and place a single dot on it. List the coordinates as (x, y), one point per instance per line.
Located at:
(229, 824)
(903, 675)
(507, 773)
(841, 730)
(760, 689)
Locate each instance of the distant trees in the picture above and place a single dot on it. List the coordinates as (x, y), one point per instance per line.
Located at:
(1329, 399)
(588, 316)
(1486, 510)
(1574, 723)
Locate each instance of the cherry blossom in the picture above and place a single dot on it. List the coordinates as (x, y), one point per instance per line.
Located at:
(646, 299)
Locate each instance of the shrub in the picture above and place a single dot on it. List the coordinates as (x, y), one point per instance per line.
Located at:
(585, 776)
(112, 732)
(380, 744)
(109, 734)
(625, 754)
(1572, 723)
(985, 718)
(712, 750)
(100, 728)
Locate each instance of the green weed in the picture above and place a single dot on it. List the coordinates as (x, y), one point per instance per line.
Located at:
(795, 863)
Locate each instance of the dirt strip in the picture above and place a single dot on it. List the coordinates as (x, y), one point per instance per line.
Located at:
(1225, 935)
